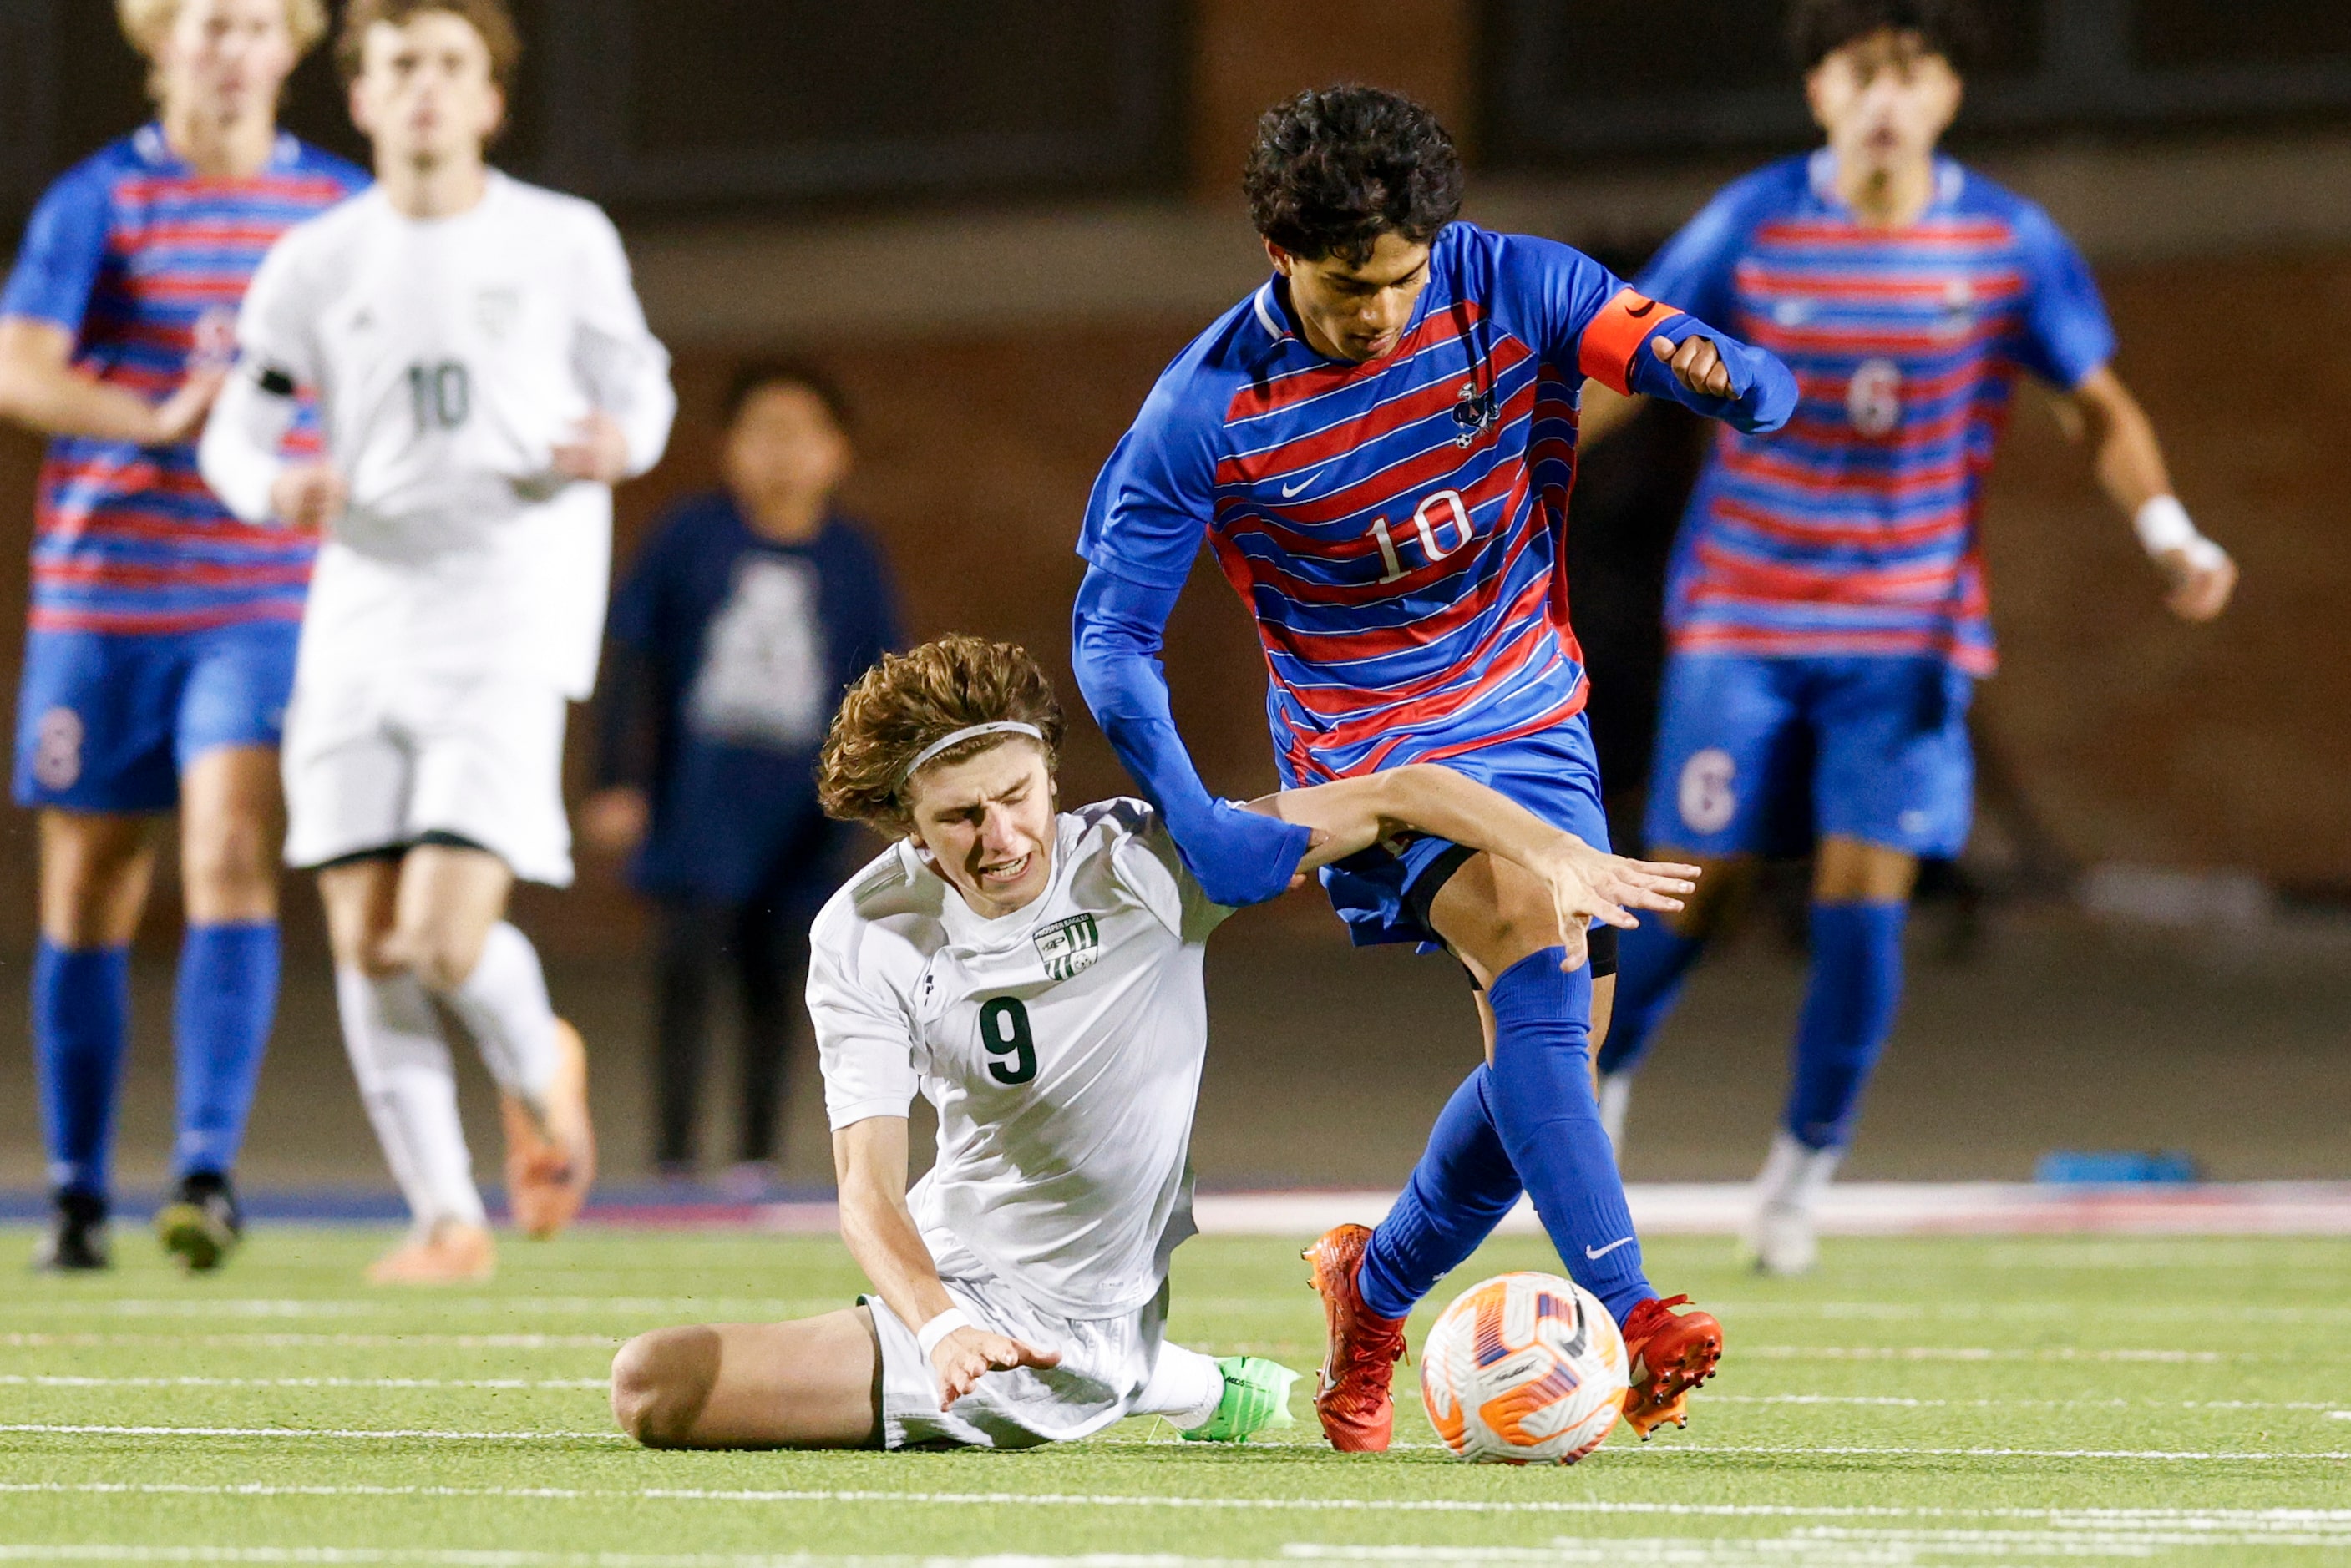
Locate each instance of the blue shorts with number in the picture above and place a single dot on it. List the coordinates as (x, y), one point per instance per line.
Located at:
(1757, 755)
(1554, 773)
(108, 724)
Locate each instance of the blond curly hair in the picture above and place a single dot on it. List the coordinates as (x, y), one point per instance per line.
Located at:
(144, 22)
(909, 702)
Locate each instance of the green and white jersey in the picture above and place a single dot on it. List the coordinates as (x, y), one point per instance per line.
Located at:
(1060, 1044)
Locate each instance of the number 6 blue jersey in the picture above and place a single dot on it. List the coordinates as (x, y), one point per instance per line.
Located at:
(1396, 527)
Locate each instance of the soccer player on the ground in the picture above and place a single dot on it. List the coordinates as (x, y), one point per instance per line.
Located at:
(484, 376)
(162, 642)
(1827, 602)
(1378, 445)
(1036, 974)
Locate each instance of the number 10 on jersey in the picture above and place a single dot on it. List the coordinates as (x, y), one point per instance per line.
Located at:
(442, 395)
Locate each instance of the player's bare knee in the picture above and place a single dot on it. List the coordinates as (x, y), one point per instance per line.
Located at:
(660, 1381)
(230, 871)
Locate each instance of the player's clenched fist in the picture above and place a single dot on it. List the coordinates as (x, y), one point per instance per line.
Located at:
(1696, 364)
(969, 1355)
(2197, 583)
(308, 495)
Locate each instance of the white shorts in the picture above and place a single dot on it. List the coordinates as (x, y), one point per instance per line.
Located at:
(377, 759)
(1106, 1363)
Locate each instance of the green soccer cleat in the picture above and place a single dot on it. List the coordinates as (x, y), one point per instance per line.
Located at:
(1257, 1399)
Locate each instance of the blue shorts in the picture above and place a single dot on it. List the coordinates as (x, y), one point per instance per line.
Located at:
(109, 723)
(1555, 775)
(1755, 756)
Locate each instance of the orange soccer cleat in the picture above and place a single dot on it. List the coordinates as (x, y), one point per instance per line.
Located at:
(450, 1253)
(551, 1161)
(1668, 1354)
(1352, 1395)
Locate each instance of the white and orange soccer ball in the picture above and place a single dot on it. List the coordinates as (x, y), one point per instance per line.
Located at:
(1524, 1369)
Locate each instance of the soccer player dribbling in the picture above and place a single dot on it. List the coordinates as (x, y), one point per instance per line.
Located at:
(1037, 975)
(1378, 445)
(484, 376)
(161, 649)
(1827, 595)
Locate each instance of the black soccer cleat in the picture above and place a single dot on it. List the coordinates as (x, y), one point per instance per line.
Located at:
(76, 1242)
(202, 1224)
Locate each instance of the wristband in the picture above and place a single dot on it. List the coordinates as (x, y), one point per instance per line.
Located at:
(928, 1337)
(2163, 526)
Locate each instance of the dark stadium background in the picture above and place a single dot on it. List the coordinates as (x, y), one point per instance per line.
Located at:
(995, 221)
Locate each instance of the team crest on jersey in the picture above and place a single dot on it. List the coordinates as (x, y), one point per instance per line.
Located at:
(1070, 947)
(498, 311)
(1475, 412)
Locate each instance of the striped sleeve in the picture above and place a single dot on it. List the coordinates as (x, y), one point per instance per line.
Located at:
(64, 247)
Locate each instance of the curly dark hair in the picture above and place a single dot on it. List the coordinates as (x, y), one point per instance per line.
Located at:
(901, 707)
(1335, 169)
(1819, 29)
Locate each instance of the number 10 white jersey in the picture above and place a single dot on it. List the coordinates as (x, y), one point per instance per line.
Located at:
(449, 356)
(1062, 1046)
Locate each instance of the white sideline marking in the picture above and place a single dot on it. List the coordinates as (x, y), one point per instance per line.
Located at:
(2334, 1522)
(727, 1308)
(1981, 1353)
(2157, 1455)
(45, 1429)
(60, 1381)
(2333, 1410)
(315, 1341)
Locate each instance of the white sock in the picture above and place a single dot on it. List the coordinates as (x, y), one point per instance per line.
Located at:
(1792, 1175)
(1186, 1386)
(410, 1088)
(503, 1005)
(1615, 1099)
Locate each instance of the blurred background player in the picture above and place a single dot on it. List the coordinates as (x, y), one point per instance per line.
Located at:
(1037, 975)
(733, 637)
(484, 376)
(1378, 445)
(161, 649)
(1826, 605)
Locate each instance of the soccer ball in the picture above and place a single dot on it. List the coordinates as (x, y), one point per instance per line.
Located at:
(1524, 1369)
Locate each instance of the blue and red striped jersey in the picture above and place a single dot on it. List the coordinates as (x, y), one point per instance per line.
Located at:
(1396, 527)
(145, 262)
(1853, 530)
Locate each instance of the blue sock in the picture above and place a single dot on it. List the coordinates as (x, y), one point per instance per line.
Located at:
(1855, 990)
(81, 1022)
(1651, 961)
(1460, 1191)
(1545, 1112)
(227, 1001)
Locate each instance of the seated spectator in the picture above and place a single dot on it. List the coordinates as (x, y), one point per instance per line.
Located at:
(735, 633)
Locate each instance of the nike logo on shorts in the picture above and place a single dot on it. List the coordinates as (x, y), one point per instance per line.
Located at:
(1595, 1255)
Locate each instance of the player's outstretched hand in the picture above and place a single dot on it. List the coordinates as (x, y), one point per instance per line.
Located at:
(598, 452)
(308, 495)
(2197, 589)
(969, 1355)
(179, 417)
(1696, 364)
(1588, 884)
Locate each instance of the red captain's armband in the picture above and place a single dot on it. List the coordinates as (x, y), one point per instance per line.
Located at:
(1615, 334)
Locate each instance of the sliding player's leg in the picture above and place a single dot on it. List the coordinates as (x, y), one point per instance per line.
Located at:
(1728, 751)
(227, 1000)
(95, 871)
(812, 1384)
(1893, 781)
(406, 1079)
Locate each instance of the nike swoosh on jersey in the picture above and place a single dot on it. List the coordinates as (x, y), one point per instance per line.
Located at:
(1290, 490)
(1620, 1241)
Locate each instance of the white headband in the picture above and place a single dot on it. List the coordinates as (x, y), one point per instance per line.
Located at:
(946, 742)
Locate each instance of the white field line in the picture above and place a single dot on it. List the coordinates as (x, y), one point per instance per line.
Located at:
(1986, 1353)
(729, 1308)
(14, 1380)
(2277, 1525)
(2333, 1522)
(2337, 1409)
(370, 1434)
(1864, 1549)
(2158, 1455)
(313, 1341)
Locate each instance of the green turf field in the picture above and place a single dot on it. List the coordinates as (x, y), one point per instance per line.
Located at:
(1965, 1401)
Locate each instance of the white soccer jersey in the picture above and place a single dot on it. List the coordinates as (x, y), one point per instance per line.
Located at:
(1062, 1046)
(449, 358)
